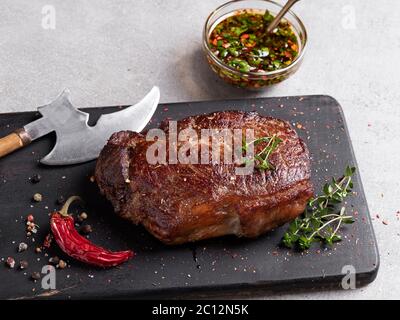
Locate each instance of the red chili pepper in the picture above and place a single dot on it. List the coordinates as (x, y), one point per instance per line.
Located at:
(78, 247)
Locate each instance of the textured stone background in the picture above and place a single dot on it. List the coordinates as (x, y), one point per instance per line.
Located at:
(112, 52)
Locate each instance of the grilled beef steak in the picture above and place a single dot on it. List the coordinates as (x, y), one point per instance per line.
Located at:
(179, 203)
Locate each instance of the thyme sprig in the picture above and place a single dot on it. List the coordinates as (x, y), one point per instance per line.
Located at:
(261, 159)
(321, 221)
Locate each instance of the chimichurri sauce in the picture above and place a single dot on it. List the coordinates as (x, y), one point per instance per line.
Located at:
(241, 42)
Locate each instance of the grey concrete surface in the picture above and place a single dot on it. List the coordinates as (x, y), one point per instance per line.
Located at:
(112, 52)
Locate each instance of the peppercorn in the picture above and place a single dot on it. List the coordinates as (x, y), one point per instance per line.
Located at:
(22, 247)
(82, 216)
(86, 229)
(62, 264)
(36, 178)
(23, 264)
(35, 276)
(37, 197)
(60, 200)
(54, 260)
(10, 262)
(47, 241)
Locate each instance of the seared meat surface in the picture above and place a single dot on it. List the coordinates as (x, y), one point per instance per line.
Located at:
(179, 203)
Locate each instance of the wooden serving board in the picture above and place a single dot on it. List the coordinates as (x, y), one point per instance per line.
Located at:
(227, 263)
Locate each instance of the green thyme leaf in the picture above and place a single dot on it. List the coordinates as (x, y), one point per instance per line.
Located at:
(321, 221)
(262, 158)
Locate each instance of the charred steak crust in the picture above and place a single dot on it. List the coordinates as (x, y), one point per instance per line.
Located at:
(178, 203)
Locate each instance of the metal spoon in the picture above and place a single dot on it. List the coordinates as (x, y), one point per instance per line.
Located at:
(280, 15)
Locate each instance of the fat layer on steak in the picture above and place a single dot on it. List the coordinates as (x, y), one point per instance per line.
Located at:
(179, 203)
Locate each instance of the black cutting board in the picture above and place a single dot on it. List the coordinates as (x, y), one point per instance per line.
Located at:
(227, 263)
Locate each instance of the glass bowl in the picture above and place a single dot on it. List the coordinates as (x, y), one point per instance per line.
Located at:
(260, 79)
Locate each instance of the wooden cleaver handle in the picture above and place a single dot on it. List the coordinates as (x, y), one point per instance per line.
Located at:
(13, 141)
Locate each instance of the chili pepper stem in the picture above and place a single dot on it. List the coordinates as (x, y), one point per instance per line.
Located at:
(64, 209)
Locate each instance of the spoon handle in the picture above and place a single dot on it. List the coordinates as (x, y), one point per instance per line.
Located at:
(280, 15)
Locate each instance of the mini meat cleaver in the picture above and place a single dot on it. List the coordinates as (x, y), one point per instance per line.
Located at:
(77, 141)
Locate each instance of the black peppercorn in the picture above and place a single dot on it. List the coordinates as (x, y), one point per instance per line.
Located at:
(35, 275)
(62, 264)
(60, 200)
(54, 260)
(23, 264)
(36, 178)
(86, 229)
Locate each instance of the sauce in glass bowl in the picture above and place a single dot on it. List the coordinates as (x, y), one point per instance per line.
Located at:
(241, 52)
(241, 41)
